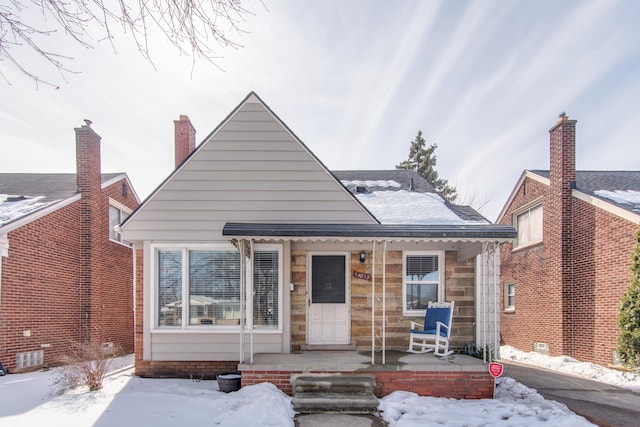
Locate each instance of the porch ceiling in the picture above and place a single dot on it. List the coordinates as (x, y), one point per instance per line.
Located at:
(370, 232)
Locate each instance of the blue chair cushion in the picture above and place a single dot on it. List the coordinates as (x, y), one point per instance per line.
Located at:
(436, 315)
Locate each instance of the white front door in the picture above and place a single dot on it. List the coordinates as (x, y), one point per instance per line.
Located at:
(328, 317)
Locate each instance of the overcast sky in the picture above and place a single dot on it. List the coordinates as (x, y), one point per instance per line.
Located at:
(355, 80)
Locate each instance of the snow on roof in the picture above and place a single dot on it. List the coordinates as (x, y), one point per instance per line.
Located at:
(409, 207)
(15, 207)
(628, 197)
(380, 184)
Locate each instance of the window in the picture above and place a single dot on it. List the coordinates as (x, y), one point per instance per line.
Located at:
(209, 279)
(529, 226)
(510, 297)
(266, 280)
(423, 280)
(117, 215)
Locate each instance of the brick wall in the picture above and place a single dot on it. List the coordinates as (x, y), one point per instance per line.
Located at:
(455, 385)
(40, 287)
(568, 289)
(64, 281)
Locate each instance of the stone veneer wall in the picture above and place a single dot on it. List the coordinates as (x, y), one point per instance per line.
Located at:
(459, 287)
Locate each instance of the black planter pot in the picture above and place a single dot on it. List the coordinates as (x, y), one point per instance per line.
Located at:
(230, 381)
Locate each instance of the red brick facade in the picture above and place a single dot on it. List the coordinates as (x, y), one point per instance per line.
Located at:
(567, 287)
(64, 280)
(455, 385)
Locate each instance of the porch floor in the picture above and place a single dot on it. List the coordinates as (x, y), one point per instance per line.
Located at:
(360, 361)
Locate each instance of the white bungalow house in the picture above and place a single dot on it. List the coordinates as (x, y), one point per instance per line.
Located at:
(279, 256)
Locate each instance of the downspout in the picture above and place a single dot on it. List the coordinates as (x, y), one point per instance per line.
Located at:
(4, 253)
(483, 301)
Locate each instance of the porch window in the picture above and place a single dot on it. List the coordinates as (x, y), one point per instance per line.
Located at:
(209, 279)
(266, 285)
(117, 215)
(423, 280)
(529, 226)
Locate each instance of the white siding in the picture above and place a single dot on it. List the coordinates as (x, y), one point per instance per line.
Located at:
(252, 169)
(209, 346)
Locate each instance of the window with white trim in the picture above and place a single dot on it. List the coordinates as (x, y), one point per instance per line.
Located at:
(209, 279)
(510, 297)
(423, 280)
(529, 226)
(117, 215)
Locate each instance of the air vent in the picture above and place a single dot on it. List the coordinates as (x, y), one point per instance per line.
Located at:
(15, 198)
(30, 359)
(361, 189)
(541, 347)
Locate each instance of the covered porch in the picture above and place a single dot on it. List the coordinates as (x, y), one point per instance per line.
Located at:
(378, 323)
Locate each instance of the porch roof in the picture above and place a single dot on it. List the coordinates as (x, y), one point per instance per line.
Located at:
(371, 232)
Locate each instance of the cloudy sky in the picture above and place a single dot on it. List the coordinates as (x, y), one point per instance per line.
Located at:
(355, 80)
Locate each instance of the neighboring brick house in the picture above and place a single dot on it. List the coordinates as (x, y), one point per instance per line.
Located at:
(253, 247)
(65, 274)
(564, 277)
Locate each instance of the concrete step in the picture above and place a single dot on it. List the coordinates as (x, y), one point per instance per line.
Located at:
(315, 403)
(348, 394)
(340, 384)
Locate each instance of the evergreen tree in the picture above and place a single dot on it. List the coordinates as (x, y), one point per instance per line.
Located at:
(629, 317)
(422, 159)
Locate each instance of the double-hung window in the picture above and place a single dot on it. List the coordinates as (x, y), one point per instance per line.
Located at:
(117, 214)
(529, 226)
(423, 281)
(200, 286)
(510, 297)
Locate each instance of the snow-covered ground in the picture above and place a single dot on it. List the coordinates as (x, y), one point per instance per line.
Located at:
(125, 400)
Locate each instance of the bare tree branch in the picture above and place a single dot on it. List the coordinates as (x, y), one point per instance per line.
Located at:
(198, 28)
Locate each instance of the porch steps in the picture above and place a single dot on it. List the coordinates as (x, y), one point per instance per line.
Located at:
(347, 394)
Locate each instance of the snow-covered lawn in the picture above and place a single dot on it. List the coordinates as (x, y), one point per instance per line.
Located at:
(125, 400)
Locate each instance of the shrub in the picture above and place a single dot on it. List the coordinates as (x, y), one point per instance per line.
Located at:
(86, 364)
(629, 317)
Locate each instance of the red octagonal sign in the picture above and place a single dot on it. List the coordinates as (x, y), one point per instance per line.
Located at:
(496, 369)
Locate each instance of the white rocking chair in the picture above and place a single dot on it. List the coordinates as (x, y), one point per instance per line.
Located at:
(434, 334)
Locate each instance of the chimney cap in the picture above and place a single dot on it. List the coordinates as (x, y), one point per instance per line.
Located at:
(88, 122)
(563, 116)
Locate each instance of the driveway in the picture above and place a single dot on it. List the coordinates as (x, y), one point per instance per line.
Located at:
(602, 404)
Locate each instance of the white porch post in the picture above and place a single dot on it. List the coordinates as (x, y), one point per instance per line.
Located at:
(373, 304)
(488, 302)
(243, 284)
(384, 302)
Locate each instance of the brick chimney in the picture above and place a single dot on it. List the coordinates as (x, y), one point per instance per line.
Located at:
(88, 179)
(185, 138)
(558, 223)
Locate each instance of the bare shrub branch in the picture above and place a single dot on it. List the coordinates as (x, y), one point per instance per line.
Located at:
(86, 364)
(198, 28)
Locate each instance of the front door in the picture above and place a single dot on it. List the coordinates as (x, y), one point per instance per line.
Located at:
(328, 299)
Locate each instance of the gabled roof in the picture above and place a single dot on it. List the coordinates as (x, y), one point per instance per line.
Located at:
(409, 180)
(402, 196)
(615, 191)
(619, 188)
(251, 167)
(25, 194)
